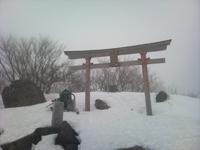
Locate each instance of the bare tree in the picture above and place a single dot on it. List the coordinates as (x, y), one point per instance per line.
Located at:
(156, 85)
(8, 57)
(192, 94)
(172, 89)
(127, 78)
(36, 59)
(102, 78)
(3, 82)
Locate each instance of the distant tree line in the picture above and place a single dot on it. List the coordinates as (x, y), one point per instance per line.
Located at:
(126, 78)
(38, 59)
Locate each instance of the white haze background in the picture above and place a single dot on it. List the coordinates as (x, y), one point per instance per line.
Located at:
(88, 25)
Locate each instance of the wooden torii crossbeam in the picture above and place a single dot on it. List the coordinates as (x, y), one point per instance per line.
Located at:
(113, 53)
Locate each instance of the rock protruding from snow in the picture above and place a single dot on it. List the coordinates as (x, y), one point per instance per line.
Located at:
(24, 143)
(46, 130)
(67, 137)
(101, 104)
(134, 148)
(22, 93)
(161, 96)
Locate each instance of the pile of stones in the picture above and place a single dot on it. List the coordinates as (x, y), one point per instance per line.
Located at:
(67, 138)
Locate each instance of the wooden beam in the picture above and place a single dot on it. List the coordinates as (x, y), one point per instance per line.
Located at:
(126, 63)
(157, 46)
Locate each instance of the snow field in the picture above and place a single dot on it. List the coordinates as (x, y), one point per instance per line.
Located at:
(175, 124)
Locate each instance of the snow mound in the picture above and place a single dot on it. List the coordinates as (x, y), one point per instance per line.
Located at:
(175, 124)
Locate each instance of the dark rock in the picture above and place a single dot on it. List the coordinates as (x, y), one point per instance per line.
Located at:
(133, 148)
(22, 93)
(62, 139)
(161, 96)
(24, 143)
(46, 131)
(71, 147)
(112, 88)
(66, 136)
(101, 104)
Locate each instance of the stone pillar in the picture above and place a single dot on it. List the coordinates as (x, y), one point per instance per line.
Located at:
(57, 114)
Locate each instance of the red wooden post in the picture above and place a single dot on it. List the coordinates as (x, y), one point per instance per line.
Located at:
(146, 84)
(87, 92)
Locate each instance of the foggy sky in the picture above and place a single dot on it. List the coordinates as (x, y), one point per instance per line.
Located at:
(90, 25)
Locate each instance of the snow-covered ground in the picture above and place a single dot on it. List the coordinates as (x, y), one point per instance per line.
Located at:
(175, 124)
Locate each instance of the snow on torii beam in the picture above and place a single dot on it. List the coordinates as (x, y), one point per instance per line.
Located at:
(113, 53)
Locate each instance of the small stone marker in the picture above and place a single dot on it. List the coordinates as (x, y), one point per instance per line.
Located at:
(57, 114)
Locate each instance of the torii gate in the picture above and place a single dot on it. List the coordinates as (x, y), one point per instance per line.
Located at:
(113, 53)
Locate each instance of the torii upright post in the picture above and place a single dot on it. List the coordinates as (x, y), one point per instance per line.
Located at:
(87, 84)
(146, 84)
